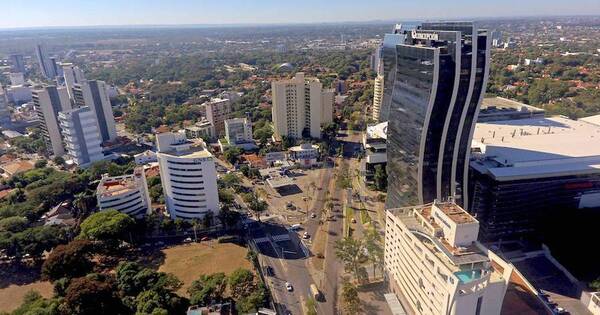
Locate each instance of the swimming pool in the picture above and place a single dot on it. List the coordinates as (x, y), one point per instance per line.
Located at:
(467, 276)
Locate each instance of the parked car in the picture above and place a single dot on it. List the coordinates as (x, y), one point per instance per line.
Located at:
(305, 235)
(313, 215)
(288, 286)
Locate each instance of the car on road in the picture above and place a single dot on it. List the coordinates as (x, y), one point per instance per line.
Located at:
(187, 240)
(313, 215)
(353, 220)
(295, 227)
(305, 235)
(289, 287)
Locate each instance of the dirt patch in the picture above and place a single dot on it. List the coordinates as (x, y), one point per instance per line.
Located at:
(189, 261)
(11, 296)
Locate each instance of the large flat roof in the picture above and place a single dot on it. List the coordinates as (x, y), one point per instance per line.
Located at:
(537, 147)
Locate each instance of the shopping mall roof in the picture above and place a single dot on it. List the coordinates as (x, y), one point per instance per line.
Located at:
(536, 148)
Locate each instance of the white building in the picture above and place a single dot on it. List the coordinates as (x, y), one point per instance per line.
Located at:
(72, 75)
(127, 194)
(300, 107)
(16, 78)
(145, 157)
(377, 97)
(238, 130)
(203, 129)
(305, 154)
(217, 111)
(48, 102)
(81, 135)
(188, 175)
(374, 143)
(435, 265)
(93, 94)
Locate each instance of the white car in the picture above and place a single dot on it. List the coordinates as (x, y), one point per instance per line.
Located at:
(288, 286)
(305, 235)
(313, 215)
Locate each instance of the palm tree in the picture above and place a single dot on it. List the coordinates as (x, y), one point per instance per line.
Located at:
(84, 203)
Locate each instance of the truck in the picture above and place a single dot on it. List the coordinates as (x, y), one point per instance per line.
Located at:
(315, 293)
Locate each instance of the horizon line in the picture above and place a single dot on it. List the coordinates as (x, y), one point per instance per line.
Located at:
(209, 25)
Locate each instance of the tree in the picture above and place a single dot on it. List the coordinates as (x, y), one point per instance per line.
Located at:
(34, 304)
(40, 163)
(228, 218)
(108, 226)
(241, 283)
(350, 298)
(380, 178)
(232, 154)
(132, 279)
(311, 306)
(13, 224)
(251, 303)
(595, 285)
(68, 261)
(84, 202)
(208, 289)
(59, 160)
(351, 252)
(374, 248)
(87, 296)
(255, 204)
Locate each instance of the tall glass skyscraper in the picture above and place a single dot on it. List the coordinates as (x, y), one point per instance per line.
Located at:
(440, 73)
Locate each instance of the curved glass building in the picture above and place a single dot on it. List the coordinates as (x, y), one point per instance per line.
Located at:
(440, 72)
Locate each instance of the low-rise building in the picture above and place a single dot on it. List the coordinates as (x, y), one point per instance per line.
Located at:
(127, 194)
(435, 265)
(200, 130)
(374, 143)
(305, 155)
(145, 157)
(499, 108)
(522, 169)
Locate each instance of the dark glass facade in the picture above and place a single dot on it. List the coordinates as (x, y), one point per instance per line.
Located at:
(435, 99)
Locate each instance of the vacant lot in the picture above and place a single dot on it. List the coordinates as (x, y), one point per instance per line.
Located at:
(189, 261)
(12, 296)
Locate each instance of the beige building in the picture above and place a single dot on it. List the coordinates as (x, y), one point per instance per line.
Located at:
(217, 111)
(127, 194)
(435, 265)
(301, 105)
(377, 98)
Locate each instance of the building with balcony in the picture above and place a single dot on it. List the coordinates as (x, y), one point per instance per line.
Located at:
(48, 102)
(127, 194)
(92, 93)
(188, 175)
(377, 98)
(81, 136)
(217, 111)
(435, 265)
(203, 129)
(439, 73)
(374, 142)
(300, 107)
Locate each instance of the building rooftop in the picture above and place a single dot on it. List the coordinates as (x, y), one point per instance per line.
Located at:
(500, 103)
(536, 147)
(455, 213)
(118, 185)
(378, 131)
(594, 120)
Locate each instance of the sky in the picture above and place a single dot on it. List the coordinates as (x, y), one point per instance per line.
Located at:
(55, 13)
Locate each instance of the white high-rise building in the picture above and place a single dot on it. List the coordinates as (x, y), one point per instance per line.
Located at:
(300, 107)
(188, 175)
(127, 194)
(238, 130)
(48, 102)
(81, 135)
(377, 98)
(72, 75)
(435, 265)
(93, 94)
(217, 111)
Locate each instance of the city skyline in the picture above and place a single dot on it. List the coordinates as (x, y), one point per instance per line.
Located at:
(69, 13)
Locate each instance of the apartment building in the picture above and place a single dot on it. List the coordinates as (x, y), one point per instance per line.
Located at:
(48, 102)
(81, 135)
(238, 130)
(127, 194)
(217, 111)
(300, 107)
(377, 98)
(188, 175)
(93, 94)
(434, 264)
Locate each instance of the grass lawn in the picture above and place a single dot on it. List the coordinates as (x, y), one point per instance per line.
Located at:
(11, 297)
(189, 261)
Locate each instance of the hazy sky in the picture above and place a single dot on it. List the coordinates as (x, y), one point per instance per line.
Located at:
(29, 13)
